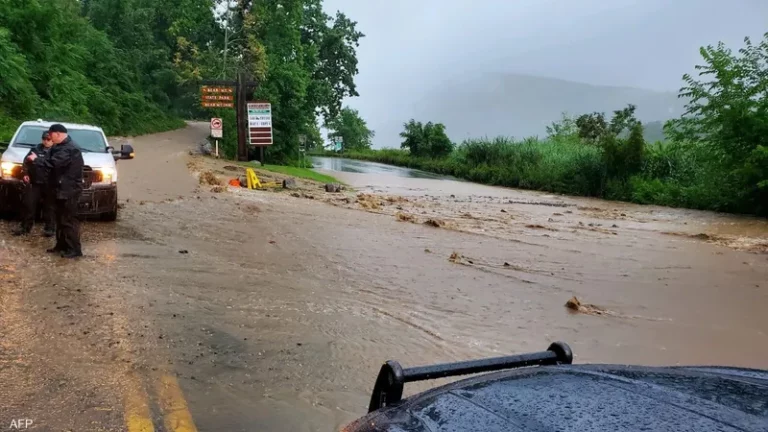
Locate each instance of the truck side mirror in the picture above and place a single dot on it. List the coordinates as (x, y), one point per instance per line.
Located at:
(126, 151)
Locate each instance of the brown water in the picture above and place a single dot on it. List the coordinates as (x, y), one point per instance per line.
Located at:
(280, 310)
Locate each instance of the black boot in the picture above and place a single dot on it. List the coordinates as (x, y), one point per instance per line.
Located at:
(71, 254)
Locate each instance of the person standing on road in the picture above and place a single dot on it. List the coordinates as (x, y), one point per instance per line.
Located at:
(65, 163)
(37, 189)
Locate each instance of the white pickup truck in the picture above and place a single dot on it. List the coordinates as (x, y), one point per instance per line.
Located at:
(99, 173)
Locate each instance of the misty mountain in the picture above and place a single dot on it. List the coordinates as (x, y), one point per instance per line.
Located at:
(520, 106)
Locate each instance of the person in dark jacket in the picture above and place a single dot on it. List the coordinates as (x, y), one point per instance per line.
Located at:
(65, 164)
(37, 190)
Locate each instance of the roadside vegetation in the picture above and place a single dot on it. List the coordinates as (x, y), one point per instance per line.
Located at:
(136, 66)
(294, 171)
(715, 157)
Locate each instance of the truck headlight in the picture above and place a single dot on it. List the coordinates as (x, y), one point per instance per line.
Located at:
(107, 175)
(8, 169)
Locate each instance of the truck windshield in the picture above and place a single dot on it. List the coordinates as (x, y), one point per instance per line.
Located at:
(87, 140)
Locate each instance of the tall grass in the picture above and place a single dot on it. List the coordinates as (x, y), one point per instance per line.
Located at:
(672, 174)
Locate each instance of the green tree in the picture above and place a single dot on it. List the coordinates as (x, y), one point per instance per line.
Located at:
(352, 128)
(565, 128)
(727, 113)
(304, 60)
(426, 140)
(591, 126)
(71, 71)
(330, 47)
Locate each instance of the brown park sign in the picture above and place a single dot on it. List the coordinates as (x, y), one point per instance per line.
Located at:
(209, 104)
(216, 89)
(217, 97)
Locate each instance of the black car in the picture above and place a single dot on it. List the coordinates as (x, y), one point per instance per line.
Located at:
(545, 392)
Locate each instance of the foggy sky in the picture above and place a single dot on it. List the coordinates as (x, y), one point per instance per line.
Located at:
(412, 46)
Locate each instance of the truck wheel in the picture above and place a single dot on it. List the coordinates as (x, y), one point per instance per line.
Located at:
(110, 216)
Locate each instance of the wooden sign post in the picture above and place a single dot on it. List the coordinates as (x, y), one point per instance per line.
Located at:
(232, 94)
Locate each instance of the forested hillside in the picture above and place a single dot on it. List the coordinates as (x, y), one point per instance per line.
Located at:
(55, 64)
(135, 66)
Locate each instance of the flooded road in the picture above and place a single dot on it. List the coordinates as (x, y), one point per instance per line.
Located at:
(372, 168)
(250, 310)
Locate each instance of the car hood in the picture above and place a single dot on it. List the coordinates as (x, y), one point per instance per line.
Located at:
(98, 160)
(15, 154)
(585, 398)
(94, 160)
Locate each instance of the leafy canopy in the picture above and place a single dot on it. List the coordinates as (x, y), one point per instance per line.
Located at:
(426, 140)
(352, 128)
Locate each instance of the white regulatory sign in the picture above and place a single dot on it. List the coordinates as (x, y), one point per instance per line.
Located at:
(260, 123)
(217, 128)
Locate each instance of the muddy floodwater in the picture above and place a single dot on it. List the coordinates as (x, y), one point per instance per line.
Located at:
(273, 310)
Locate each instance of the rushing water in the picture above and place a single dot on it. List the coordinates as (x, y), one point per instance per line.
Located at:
(363, 167)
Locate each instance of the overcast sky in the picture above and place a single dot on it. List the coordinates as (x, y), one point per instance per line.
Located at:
(411, 45)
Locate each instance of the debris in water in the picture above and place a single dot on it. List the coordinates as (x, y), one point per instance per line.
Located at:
(218, 189)
(503, 211)
(295, 194)
(404, 217)
(289, 183)
(332, 188)
(232, 168)
(250, 208)
(506, 264)
(576, 305)
(272, 242)
(437, 223)
(455, 258)
(209, 178)
(396, 199)
(368, 201)
(183, 251)
(542, 203)
(558, 214)
(614, 226)
(427, 251)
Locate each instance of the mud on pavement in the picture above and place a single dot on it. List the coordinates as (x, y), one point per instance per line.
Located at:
(255, 310)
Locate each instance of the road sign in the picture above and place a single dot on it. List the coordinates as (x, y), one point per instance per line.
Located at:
(217, 97)
(217, 128)
(260, 123)
(216, 89)
(207, 104)
(338, 142)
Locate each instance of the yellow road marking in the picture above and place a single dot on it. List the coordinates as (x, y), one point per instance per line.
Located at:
(138, 417)
(174, 406)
